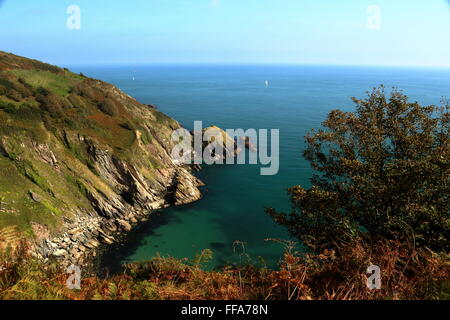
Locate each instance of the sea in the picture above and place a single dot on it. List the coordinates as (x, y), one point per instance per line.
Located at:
(230, 219)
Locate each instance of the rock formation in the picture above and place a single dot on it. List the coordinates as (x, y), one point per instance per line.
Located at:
(80, 159)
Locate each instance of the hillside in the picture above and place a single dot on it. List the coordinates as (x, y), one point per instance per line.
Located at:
(80, 159)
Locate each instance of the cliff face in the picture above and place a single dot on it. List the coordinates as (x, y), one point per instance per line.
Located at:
(80, 159)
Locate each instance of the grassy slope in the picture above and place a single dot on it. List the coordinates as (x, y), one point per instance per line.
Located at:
(44, 110)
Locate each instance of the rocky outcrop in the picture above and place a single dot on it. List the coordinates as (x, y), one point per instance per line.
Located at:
(136, 199)
(217, 143)
(185, 188)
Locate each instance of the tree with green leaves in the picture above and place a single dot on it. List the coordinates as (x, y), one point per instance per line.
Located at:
(380, 172)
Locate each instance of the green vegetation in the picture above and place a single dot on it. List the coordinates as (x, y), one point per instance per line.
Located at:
(8, 107)
(109, 107)
(32, 174)
(380, 195)
(382, 172)
(51, 122)
(47, 81)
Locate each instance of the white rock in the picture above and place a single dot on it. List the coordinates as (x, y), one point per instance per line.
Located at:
(60, 253)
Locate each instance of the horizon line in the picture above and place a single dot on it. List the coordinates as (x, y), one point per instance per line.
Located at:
(233, 63)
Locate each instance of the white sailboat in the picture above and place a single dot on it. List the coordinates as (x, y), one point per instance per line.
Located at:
(267, 83)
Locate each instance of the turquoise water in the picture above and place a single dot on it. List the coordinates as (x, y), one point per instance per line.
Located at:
(297, 99)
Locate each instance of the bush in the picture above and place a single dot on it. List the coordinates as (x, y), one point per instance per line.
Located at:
(381, 171)
(8, 107)
(6, 83)
(109, 106)
(42, 91)
(76, 101)
(14, 95)
(23, 88)
(45, 67)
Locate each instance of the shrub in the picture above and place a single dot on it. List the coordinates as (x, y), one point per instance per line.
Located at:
(45, 67)
(76, 101)
(14, 95)
(109, 107)
(42, 91)
(23, 88)
(381, 171)
(8, 107)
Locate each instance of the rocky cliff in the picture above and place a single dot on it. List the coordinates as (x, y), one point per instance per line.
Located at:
(80, 159)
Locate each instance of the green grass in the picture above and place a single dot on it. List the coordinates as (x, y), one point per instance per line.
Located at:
(58, 109)
(17, 206)
(51, 208)
(34, 176)
(163, 118)
(59, 84)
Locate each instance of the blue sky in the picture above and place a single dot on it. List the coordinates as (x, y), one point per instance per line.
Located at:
(413, 32)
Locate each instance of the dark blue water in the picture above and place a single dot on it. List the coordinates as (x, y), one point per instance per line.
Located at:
(296, 100)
